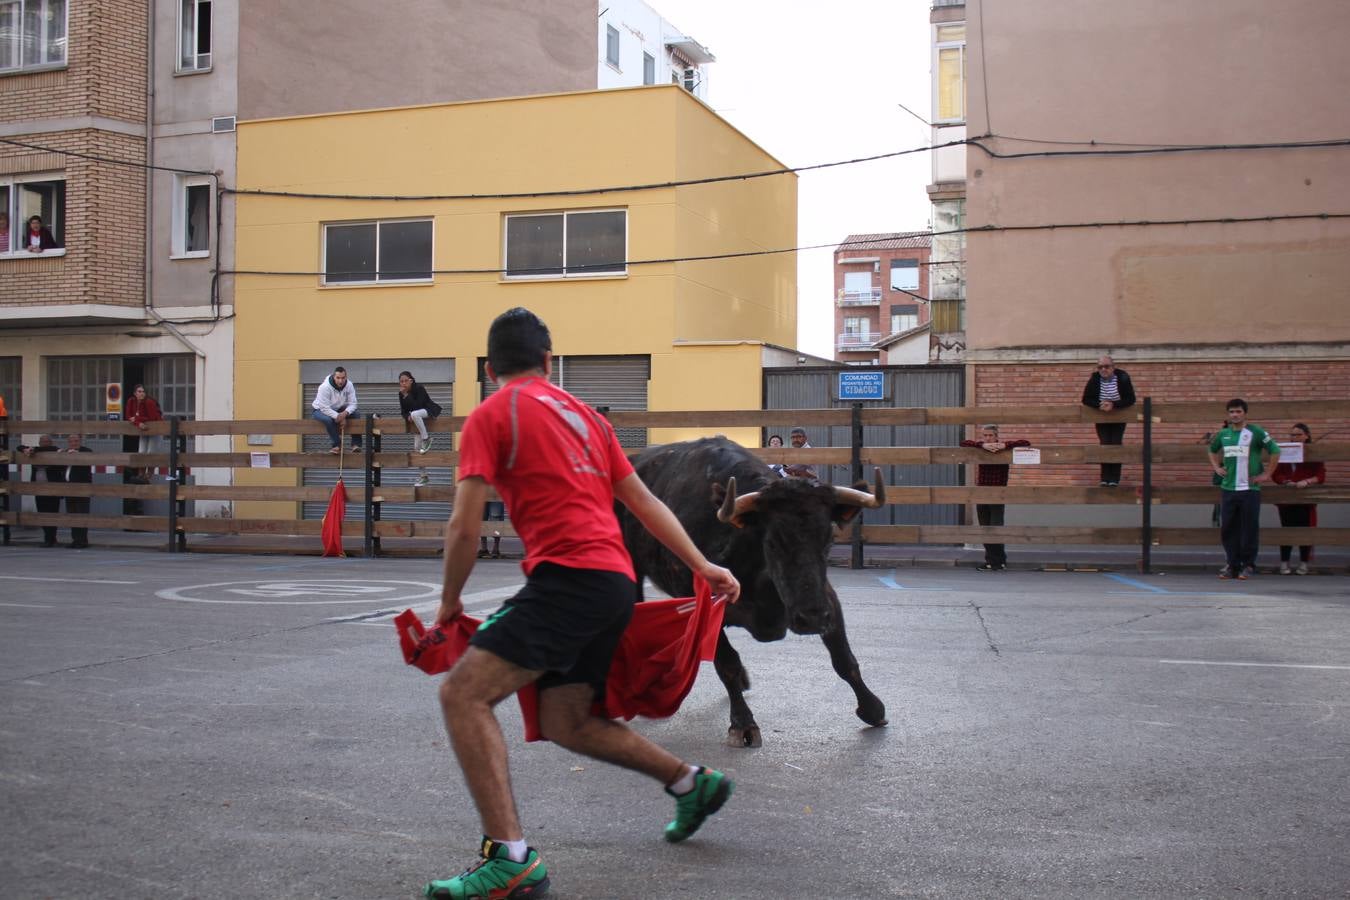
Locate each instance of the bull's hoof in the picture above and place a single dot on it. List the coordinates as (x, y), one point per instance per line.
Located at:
(743, 738)
(873, 715)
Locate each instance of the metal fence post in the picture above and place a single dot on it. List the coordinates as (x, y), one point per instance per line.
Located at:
(172, 480)
(855, 461)
(1146, 514)
(371, 511)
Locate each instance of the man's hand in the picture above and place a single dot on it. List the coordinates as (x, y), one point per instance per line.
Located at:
(451, 609)
(993, 446)
(1262, 478)
(1107, 405)
(724, 585)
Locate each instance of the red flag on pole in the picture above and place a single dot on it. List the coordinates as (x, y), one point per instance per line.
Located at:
(332, 521)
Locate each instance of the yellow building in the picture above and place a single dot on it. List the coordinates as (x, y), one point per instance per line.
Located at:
(384, 285)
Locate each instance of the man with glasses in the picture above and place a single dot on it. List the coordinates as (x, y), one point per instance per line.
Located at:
(1239, 455)
(1109, 389)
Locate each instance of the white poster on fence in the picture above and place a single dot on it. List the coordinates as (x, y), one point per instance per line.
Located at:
(260, 460)
(1026, 456)
(1291, 453)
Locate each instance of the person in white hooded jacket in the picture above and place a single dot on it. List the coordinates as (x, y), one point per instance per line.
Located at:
(334, 405)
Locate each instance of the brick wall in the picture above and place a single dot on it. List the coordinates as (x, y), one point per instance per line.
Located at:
(1216, 380)
(105, 203)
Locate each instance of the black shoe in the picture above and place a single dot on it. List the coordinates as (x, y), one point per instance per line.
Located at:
(990, 567)
(80, 546)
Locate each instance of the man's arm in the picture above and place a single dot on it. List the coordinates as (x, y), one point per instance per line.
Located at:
(1090, 395)
(1270, 458)
(1127, 397)
(657, 518)
(1216, 464)
(461, 545)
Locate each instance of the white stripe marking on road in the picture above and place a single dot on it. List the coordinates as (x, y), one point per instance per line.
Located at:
(65, 580)
(1258, 665)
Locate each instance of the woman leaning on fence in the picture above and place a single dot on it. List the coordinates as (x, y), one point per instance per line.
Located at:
(1298, 515)
(141, 410)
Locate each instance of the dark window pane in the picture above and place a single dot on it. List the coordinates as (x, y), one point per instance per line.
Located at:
(197, 218)
(204, 29)
(612, 45)
(534, 245)
(349, 253)
(405, 251)
(648, 69)
(596, 242)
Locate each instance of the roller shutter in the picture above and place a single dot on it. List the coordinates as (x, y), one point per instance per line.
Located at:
(616, 382)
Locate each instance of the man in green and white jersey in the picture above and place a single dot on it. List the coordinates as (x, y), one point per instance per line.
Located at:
(1243, 456)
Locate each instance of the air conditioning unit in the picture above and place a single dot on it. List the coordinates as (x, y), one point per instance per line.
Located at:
(222, 124)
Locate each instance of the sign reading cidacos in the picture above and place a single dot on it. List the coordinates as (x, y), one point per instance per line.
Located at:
(862, 385)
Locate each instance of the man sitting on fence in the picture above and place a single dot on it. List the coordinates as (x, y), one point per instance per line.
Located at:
(993, 475)
(334, 404)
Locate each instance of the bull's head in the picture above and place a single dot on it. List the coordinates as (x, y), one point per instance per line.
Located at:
(795, 519)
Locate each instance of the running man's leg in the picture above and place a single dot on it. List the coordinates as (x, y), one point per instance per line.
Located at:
(477, 683)
(565, 718)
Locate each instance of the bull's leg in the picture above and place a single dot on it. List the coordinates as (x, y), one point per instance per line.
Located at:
(870, 709)
(744, 732)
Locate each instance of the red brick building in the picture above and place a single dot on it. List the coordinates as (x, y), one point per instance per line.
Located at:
(881, 290)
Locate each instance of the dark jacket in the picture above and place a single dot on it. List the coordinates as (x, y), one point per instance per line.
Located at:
(80, 474)
(46, 240)
(54, 472)
(995, 474)
(1092, 394)
(418, 398)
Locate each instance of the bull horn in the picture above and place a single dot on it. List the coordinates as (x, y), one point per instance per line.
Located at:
(852, 497)
(734, 507)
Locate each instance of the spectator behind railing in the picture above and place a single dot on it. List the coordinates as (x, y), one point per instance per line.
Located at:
(1298, 515)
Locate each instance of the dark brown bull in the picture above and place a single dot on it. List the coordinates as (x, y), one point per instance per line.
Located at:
(775, 537)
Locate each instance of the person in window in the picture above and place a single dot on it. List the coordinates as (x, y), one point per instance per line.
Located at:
(4, 231)
(141, 410)
(417, 406)
(38, 237)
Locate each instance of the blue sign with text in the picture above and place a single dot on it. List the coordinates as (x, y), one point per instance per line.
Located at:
(862, 385)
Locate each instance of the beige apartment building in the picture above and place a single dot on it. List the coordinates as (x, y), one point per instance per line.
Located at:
(1154, 180)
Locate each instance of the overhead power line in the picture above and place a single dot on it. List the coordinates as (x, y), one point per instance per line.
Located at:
(976, 229)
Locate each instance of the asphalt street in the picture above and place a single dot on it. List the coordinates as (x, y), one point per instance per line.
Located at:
(202, 726)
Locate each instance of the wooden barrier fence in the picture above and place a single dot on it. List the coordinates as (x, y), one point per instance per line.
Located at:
(368, 491)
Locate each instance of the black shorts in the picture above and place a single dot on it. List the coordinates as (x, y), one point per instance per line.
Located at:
(565, 623)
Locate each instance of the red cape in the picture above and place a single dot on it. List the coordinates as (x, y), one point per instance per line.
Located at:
(652, 672)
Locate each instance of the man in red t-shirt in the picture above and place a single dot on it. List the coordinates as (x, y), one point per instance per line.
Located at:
(558, 466)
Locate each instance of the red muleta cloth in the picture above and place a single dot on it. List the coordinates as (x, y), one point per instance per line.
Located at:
(653, 670)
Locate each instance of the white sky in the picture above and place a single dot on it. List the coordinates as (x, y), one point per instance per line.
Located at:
(820, 82)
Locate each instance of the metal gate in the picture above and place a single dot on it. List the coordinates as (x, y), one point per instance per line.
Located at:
(616, 382)
(907, 387)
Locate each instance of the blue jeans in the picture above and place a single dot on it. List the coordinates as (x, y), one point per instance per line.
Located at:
(332, 427)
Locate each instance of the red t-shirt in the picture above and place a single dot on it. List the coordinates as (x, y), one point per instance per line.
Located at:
(555, 462)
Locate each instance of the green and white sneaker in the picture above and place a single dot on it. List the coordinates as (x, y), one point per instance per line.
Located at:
(494, 876)
(711, 790)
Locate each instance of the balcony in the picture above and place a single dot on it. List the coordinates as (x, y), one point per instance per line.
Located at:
(866, 297)
(856, 340)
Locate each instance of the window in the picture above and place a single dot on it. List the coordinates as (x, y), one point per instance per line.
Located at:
(903, 318)
(32, 34)
(855, 326)
(191, 216)
(648, 69)
(377, 252)
(951, 73)
(568, 244)
(194, 35)
(612, 45)
(904, 274)
(25, 196)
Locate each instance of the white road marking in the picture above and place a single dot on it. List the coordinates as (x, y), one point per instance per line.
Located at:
(29, 605)
(474, 603)
(1257, 665)
(66, 580)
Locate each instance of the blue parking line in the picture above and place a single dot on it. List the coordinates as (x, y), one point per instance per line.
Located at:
(890, 582)
(1142, 585)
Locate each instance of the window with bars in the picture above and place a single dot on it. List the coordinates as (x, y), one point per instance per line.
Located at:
(11, 385)
(76, 385)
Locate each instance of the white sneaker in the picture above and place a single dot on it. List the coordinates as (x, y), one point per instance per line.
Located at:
(1302, 569)
(424, 446)
(422, 481)
(1284, 568)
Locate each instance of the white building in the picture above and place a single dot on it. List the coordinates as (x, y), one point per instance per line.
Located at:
(638, 46)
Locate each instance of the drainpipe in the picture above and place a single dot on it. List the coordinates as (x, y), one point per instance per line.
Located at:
(150, 158)
(173, 329)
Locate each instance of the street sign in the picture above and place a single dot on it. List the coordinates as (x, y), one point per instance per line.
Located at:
(862, 385)
(112, 398)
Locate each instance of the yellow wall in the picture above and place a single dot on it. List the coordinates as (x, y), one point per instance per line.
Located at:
(554, 142)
